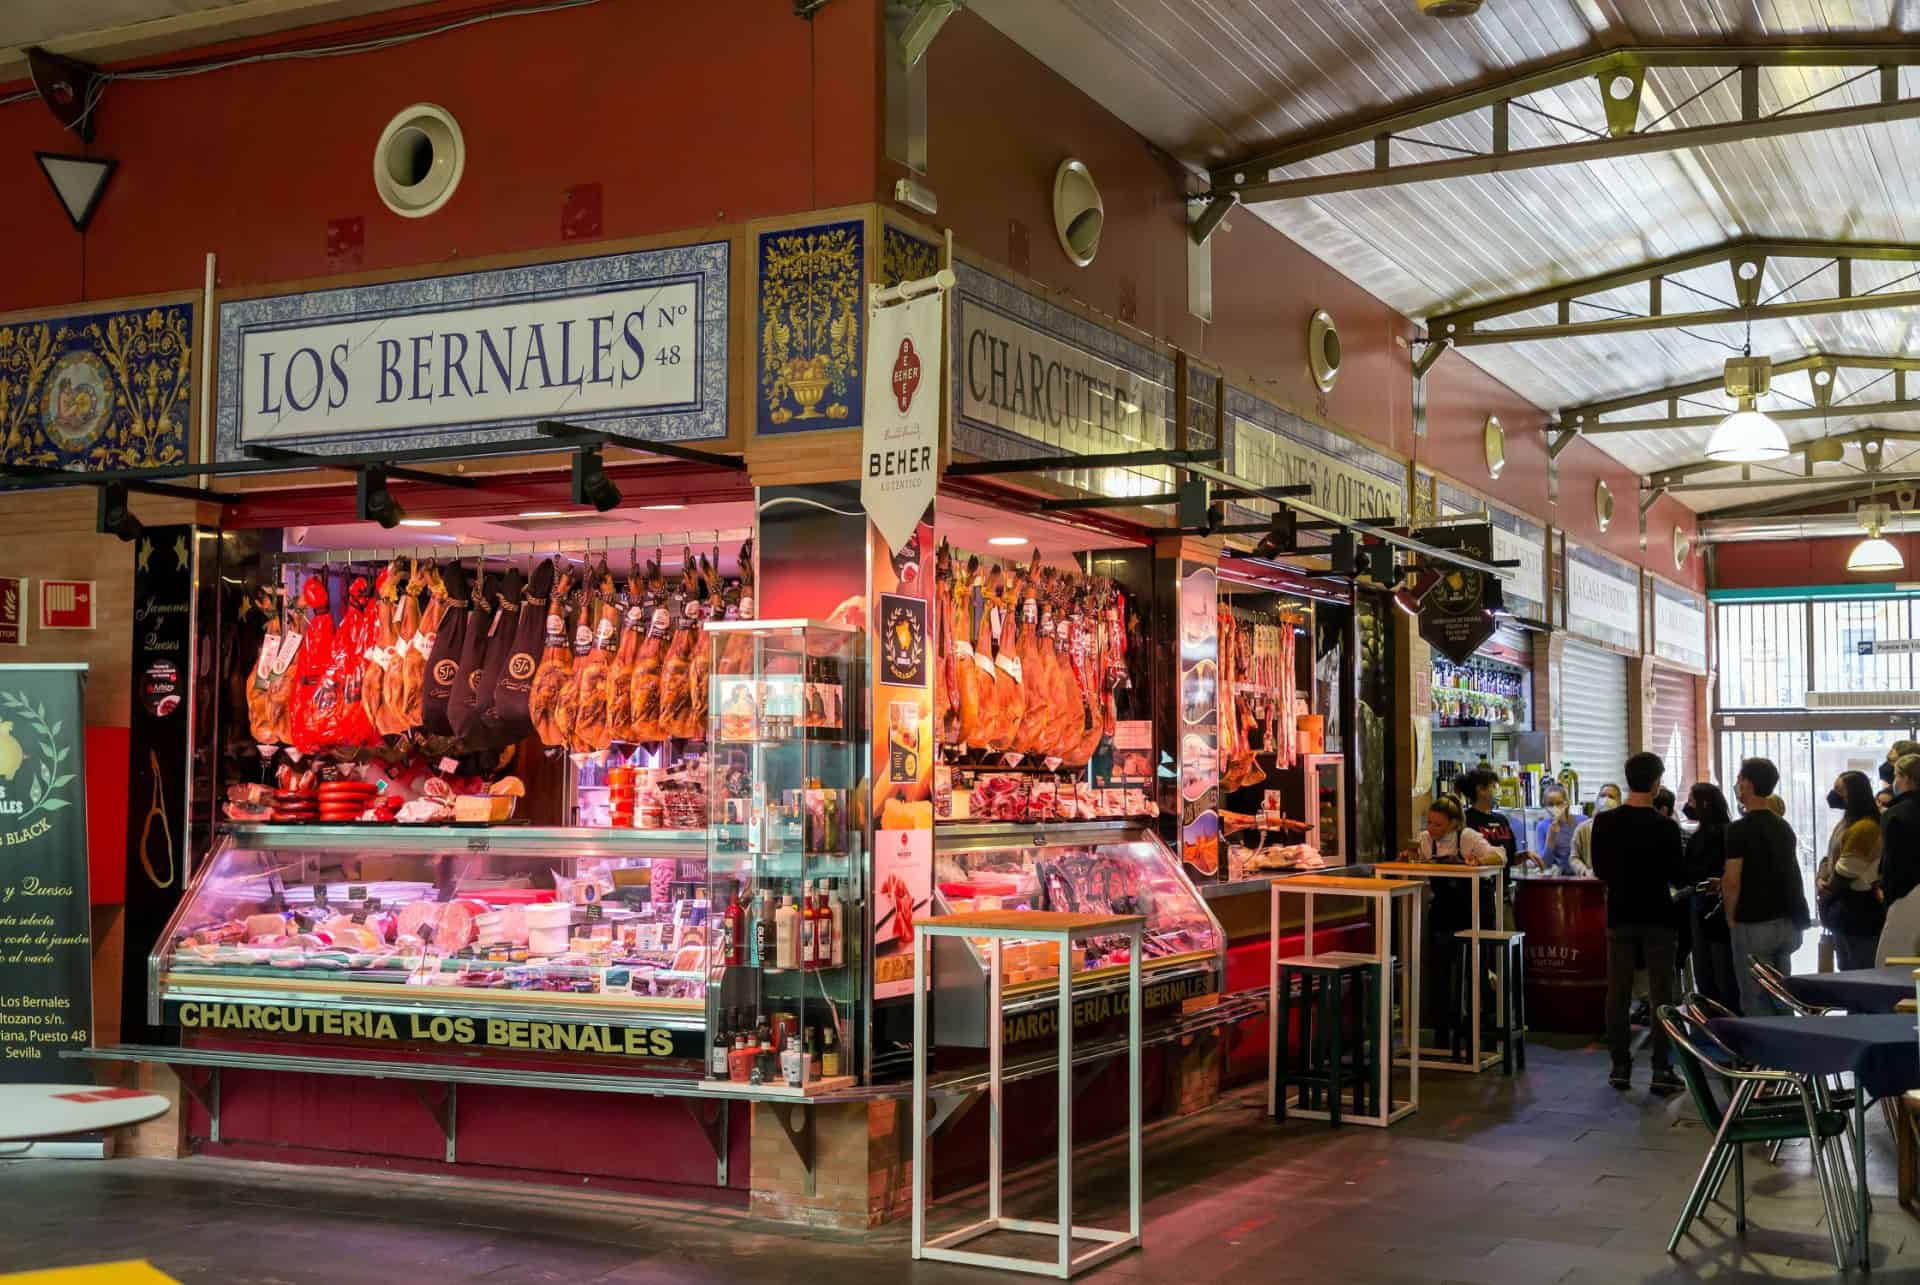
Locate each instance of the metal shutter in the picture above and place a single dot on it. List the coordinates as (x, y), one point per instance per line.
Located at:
(1593, 719)
(1670, 734)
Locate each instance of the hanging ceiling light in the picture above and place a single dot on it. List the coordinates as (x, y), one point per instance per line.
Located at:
(1876, 552)
(1747, 437)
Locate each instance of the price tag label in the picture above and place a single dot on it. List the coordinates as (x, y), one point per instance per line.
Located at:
(479, 844)
(356, 892)
(595, 910)
(319, 894)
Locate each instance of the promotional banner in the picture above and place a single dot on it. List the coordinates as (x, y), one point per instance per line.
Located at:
(1454, 619)
(160, 750)
(903, 751)
(1603, 598)
(46, 952)
(900, 438)
(1679, 626)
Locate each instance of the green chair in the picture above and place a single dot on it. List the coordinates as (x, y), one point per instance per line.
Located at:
(1742, 1121)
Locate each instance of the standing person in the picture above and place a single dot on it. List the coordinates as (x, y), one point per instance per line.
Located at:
(1900, 863)
(1583, 837)
(1447, 839)
(1636, 851)
(1704, 863)
(1479, 788)
(1611, 793)
(1761, 886)
(1900, 832)
(1553, 834)
(1663, 801)
(1847, 886)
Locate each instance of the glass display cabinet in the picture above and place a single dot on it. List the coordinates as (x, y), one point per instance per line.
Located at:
(785, 993)
(1116, 867)
(525, 938)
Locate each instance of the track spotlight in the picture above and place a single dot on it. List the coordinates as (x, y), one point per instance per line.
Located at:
(113, 517)
(1419, 583)
(1282, 536)
(373, 502)
(1375, 563)
(591, 485)
(1340, 549)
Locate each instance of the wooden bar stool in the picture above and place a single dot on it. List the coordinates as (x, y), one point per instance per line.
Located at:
(1510, 1005)
(1330, 985)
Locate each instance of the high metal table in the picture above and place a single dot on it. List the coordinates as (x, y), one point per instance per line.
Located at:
(997, 927)
(1443, 1059)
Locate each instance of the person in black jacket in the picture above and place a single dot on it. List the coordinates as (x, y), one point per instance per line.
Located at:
(1706, 859)
(1900, 832)
(1762, 884)
(1848, 884)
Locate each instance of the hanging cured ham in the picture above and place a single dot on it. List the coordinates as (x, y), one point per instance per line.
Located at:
(737, 656)
(1029, 735)
(590, 726)
(483, 681)
(270, 687)
(1007, 702)
(693, 725)
(358, 628)
(626, 656)
(676, 671)
(946, 691)
(973, 649)
(566, 704)
(420, 647)
(470, 658)
(653, 654)
(553, 669)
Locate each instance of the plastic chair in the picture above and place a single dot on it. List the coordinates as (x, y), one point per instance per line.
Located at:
(1738, 1124)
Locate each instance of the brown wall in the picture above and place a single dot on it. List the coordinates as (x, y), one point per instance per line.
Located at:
(1782, 563)
(50, 535)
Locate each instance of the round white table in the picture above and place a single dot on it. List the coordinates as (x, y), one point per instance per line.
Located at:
(30, 1111)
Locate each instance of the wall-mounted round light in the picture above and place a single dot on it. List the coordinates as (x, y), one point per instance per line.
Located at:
(419, 160)
(1323, 350)
(1078, 212)
(1682, 546)
(1493, 440)
(1603, 504)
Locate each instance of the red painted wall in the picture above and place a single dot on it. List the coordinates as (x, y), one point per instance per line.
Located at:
(686, 115)
(992, 158)
(1779, 563)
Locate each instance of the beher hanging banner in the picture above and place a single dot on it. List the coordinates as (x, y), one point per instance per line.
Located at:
(900, 437)
(1455, 617)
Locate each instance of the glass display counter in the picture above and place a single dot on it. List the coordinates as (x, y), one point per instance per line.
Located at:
(515, 938)
(1093, 868)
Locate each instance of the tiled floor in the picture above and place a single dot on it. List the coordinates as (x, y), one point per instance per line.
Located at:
(1551, 1178)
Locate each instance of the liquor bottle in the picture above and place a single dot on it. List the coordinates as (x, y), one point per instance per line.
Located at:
(837, 916)
(829, 1051)
(823, 938)
(757, 929)
(722, 1045)
(809, 934)
(736, 931)
(813, 1054)
(786, 935)
(740, 1058)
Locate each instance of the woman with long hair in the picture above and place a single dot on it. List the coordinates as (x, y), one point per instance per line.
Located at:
(1847, 885)
(1703, 864)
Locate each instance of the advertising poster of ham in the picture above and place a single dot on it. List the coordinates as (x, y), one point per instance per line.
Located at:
(1199, 749)
(903, 751)
(902, 893)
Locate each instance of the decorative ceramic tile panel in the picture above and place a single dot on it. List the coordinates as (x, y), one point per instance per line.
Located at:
(812, 293)
(104, 390)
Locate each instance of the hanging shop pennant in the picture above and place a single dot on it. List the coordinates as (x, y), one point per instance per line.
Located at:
(1456, 616)
(900, 439)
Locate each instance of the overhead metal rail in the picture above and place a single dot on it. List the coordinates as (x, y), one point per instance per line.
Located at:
(1586, 418)
(1746, 262)
(1620, 79)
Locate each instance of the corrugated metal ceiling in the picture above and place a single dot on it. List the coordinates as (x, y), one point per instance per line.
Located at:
(1237, 74)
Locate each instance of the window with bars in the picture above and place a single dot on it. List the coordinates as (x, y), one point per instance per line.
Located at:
(1762, 654)
(1843, 633)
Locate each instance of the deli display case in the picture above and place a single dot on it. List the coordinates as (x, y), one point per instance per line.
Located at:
(521, 938)
(1117, 867)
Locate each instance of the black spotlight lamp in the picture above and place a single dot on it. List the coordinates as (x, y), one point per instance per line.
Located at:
(1282, 534)
(591, 485)
(1340, 551)
(372, 502)
(1375, 562)
(113, 517)
(1419, 583)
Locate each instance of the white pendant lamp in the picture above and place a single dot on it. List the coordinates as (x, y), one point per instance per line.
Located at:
(1876, 552)
(1747, 437)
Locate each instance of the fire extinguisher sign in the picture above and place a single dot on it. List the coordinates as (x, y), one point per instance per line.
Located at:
(66, 604)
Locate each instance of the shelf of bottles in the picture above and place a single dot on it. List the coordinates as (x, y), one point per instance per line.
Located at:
(785, 869)
(1479, 694)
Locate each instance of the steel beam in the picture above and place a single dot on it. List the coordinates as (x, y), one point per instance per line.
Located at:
(1250, 178)
(1586, 417)
(1794, 413)
(1879, 482)
(1460, 325)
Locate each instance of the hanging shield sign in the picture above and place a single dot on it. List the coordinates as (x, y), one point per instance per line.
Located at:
(900, 438)
(1454, 617)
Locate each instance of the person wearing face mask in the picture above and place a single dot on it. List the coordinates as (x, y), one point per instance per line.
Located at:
(1583, 837)
(1637, 853)
(1553, 835)
(1704, 862)
(1846, 887)
(1900, 831)
(1765, 898)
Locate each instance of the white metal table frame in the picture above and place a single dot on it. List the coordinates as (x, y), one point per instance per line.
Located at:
(1066, 1263)
(1382, 898)
(1442, 1059)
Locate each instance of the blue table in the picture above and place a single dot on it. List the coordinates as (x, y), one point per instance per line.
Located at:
(1880, 1050)
(1858, 990)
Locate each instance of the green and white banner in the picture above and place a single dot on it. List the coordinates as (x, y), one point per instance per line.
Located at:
(46, 970)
